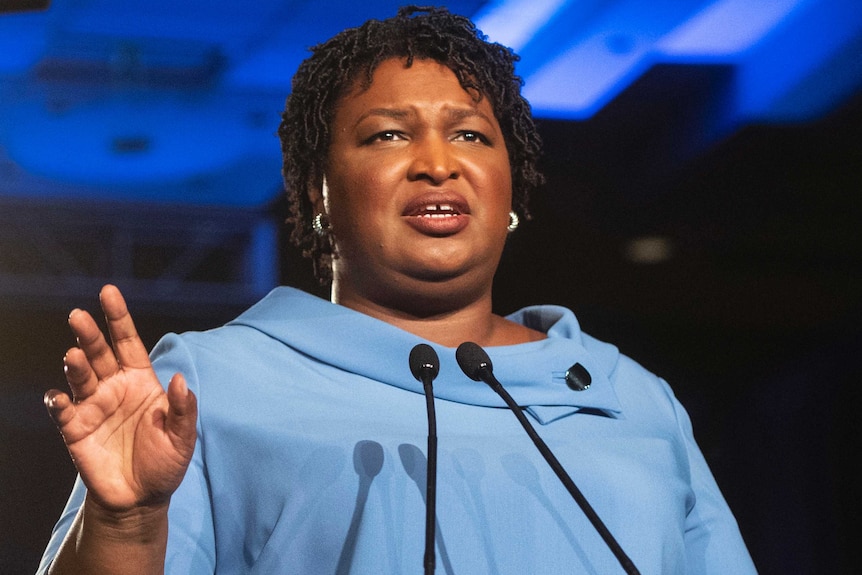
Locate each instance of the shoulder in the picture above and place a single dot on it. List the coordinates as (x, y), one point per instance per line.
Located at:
(633, 383)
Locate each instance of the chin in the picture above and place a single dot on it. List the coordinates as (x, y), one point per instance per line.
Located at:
(445, 289)
(434, 266)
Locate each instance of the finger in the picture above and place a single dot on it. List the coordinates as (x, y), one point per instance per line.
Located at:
(60, 407)
(128, 347)
(80, 376)
(92, 342)
(66, 417)
(182, 415)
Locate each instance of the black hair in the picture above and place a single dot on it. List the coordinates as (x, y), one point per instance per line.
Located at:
(335, 66)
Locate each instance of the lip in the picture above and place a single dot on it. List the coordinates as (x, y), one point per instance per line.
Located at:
(437, 213)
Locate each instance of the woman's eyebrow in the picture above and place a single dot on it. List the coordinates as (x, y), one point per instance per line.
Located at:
(458, 114)
(393, 113)
(455, 114)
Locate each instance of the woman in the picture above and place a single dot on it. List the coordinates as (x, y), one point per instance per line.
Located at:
(287, 441)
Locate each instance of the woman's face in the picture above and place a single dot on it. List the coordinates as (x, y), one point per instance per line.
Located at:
(417, 187)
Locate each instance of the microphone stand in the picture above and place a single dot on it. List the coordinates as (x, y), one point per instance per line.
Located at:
(477, 366)
(425, 366)
(431, 486)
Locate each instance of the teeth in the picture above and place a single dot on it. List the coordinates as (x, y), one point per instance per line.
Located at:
(439, 211)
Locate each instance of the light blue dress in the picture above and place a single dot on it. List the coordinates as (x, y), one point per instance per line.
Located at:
(311, 455)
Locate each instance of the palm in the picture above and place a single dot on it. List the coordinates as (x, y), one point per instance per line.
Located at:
(130, 441)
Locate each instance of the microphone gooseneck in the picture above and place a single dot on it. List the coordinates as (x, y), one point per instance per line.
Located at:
(425, 365)
(476, 364)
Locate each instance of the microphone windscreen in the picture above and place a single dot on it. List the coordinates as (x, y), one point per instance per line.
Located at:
(473, 360)
(424, 358)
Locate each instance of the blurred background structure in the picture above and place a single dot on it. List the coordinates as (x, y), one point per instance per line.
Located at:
(702, 212)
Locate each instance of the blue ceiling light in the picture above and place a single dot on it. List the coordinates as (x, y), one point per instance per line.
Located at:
(792, 58)
(118, 144)
(176, 102)
(596, 55)
(514, 23)
(723, 30)
(124, 140)
(804, 66)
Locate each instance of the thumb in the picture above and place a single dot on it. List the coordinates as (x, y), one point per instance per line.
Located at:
(182, 414)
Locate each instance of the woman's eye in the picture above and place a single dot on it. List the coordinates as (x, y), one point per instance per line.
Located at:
(387, 136)
(469, 136)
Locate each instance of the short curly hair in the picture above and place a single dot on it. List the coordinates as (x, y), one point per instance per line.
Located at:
(353, 55)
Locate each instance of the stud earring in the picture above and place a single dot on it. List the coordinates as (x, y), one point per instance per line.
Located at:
(320, 224)
(514, 220)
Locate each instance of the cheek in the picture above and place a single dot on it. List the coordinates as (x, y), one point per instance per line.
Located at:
(506, 178)
(363, 182)
(358, 211)
(497, 186)
(492, 167)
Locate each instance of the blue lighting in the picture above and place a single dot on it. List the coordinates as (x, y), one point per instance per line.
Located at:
(178, 102)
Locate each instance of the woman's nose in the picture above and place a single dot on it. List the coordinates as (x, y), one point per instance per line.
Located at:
(433, 159)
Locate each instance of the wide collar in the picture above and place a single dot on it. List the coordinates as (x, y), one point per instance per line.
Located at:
(533, 373)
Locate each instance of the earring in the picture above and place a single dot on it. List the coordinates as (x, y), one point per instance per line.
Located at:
(514, 220)
(320, 224)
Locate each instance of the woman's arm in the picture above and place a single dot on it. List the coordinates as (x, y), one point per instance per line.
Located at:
(130, 440)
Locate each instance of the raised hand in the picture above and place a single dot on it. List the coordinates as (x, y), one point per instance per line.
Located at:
(130, 441)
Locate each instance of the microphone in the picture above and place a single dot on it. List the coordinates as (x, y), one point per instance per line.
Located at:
(476, 364)
(425, 366)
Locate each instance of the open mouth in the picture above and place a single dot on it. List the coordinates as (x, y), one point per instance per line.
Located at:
(437, 216)
(436, 207)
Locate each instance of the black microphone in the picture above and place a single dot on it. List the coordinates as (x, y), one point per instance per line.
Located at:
(425, 366)
(477, 365)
